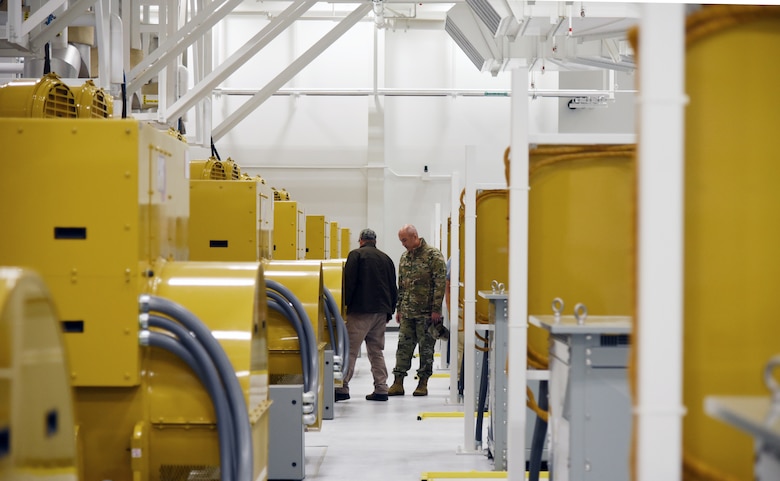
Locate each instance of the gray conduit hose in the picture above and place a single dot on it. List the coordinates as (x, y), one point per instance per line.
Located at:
(343, 337)
(283, 308)
(210, 377)
(311, 396)
(213, 386)
(226, 371)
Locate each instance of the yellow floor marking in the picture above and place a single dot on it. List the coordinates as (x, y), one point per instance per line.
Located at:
(447, 414)
(433, 475)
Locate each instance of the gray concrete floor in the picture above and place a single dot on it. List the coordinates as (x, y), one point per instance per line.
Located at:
(372, 441)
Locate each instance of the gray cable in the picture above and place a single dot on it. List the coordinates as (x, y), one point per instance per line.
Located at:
(306, 323)
(330, 302)
(200, 362)
(226, 371)
(282, 307)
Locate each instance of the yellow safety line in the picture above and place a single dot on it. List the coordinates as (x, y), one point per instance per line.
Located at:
(440, 374)
(445, 414)
(433, 475)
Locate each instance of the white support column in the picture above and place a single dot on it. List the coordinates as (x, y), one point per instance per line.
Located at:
(454, 284)
(469, 300)
(660, 242)
(518, 277)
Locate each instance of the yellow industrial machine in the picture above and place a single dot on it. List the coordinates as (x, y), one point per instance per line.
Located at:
(317, 237)
(305, 279)
(47, 97)
(346, 242)
(289, 230)
(37, 434)
(231, 214)
(335, 241)
(93, 102)
(581, 233)
(104, 226)
(732, 229)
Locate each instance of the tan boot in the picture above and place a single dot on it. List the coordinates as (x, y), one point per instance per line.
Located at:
(422, 388)
(397, 389)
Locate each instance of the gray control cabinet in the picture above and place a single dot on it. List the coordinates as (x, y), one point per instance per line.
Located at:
(497, 387)
(286, 459)
(590, 408)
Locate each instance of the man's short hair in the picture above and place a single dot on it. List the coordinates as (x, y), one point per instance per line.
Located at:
(367, 234)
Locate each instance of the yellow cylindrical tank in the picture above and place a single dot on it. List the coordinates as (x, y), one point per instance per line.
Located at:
(732, 229)
(36, 400)
(581, 231)
(47, 97)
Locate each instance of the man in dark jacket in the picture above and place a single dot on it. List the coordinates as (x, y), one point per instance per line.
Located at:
(370, 294)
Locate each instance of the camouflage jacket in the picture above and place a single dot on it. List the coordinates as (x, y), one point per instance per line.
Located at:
(421, 279)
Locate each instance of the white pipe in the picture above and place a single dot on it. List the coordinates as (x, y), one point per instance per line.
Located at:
(551, 93)
(454, 282)
(518, 277)
(13, 68)
(469, 300)
(658, 406)
(437, 226)
(117, 50)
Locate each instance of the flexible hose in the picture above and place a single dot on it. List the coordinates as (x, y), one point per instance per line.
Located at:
(209, 377)
(483, 385)
(314, 373)
(227, 373)
(343, 339)
(540, 433)
(331, 332)
(277, 303)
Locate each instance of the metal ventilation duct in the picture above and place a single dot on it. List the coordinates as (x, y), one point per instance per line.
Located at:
(472, 36)
(496, 15)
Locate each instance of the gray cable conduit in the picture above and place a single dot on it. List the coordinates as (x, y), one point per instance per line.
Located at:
(333, 347)
(343, 337)
(277, 303)
(309, 397)
(209, 377)
(226, 371)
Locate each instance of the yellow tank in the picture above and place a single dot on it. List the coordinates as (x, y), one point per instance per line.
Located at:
(36, 400)
(581, 233)
(492, 253)
(732, 229)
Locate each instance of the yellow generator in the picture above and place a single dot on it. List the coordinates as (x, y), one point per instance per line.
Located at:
(317, 237)
(231, 214)
(346, 242)
(47, 97)
(105, 226)
(37, 433)
(335, 241)
(289, 230)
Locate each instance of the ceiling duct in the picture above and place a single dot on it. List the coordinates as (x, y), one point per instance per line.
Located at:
(474, 38)
(497, 17)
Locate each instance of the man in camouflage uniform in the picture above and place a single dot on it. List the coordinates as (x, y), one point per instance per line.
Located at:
(421, 279)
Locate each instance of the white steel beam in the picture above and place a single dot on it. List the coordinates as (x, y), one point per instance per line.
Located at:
(658, 409)
(74, 11)
(296, 66)
(178, 43)
(235, 61)
(39, 16)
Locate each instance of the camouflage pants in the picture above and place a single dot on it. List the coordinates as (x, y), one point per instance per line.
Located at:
(411, 333)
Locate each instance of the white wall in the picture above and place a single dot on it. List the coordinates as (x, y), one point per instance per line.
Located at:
(359, 159)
